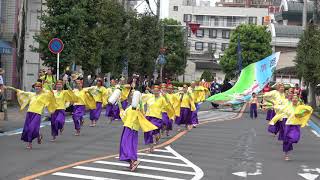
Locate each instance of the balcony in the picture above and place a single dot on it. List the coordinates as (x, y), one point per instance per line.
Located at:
(220, 24)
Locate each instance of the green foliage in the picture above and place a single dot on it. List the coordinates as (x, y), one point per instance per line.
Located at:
(308, 55)
(176, 50)
(255, 43)
(207, 76)
(179, 84)
(99, 34)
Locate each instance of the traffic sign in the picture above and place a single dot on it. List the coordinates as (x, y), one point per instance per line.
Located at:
(56, 45)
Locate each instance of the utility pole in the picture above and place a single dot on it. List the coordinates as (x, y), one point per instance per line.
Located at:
(304, 15)
(315, 12)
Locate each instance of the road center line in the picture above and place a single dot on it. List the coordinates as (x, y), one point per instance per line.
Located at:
(79, 176)
(146, 167)
(126, 173)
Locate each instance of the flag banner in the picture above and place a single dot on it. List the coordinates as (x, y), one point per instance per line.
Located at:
(253, 79)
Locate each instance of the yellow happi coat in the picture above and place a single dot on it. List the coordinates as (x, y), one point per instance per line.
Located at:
(84, 98)
(63, 97)
(296, 115)
(36, 102)
(134, 119)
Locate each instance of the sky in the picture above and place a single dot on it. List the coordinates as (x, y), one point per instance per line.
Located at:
(164, 7)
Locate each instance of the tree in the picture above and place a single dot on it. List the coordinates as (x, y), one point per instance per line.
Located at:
(255, 44)
(143, 43)
(174, 38)
(207, 76)
(308, 59)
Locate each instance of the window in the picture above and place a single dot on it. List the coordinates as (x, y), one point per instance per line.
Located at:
(212, 47)
(187, 17)
(175, 8)
(226, 34)
(252, 20)
(212, 33)
(224, 46)
(200, 33)
(199, 19)
(199, 46)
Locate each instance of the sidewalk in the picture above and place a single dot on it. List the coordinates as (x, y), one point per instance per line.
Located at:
(15, 119)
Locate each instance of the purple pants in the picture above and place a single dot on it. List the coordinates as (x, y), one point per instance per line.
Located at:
(194, 115)
(57, 121)
(185, 117)
(95, 113)
(148, 136)
(281, 129)
(291, 135)
(270, 114)
(166, 121)
(274, 129)
(77, 115)
(253, 111)
(31, 128)
(128, 145)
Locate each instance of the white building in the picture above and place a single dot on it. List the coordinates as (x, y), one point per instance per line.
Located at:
(210, 41)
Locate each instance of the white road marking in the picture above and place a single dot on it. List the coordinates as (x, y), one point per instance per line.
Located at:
(198, 171)
(162, 162)
(79, 176)
(157, 155)
(161, 150)
(308, 176)
(146, 167)
(126, 173)
(315, 132)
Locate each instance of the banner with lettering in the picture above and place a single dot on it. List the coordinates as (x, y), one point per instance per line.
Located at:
(253, 79)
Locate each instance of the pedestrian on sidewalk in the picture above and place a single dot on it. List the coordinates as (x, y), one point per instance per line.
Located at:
(2, 95)
(37, 102)
(254, 104)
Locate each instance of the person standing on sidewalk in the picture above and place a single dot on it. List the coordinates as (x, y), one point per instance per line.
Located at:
(37, 102)
(2, 96)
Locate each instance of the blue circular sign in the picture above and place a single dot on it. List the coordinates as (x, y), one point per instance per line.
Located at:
(56, 45)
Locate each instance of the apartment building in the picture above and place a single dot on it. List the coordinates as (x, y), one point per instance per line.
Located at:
(210, 41)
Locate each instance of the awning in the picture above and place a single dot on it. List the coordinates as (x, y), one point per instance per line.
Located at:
(5, 47)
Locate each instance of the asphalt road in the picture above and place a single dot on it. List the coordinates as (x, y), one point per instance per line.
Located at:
(223, 148)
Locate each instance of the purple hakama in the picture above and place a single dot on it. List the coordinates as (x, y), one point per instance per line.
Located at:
(124, 104)
(274, 129)
(148, 136)
(167, 122)
(185, 117)
(253, 110)
(270, 114)
(57, 121)
(281, 129)
(194, 115)
(77, 115)
(31, 128)
(128, 145)
(95, 113)
(291, 135)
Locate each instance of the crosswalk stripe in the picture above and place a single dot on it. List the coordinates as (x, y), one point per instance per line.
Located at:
(163, 162)
(315, 132)
(161, 150)
(126, 173)
(79, 176)
(146, 167)
(157, 155)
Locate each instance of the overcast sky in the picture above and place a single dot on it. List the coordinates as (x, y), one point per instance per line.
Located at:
(164, 7)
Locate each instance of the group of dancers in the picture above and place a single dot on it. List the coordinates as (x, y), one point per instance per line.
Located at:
(286, 114)
(154, 112)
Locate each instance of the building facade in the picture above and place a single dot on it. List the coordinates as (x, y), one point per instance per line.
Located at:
(286, 31)
(9, 11)
(209, 42)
